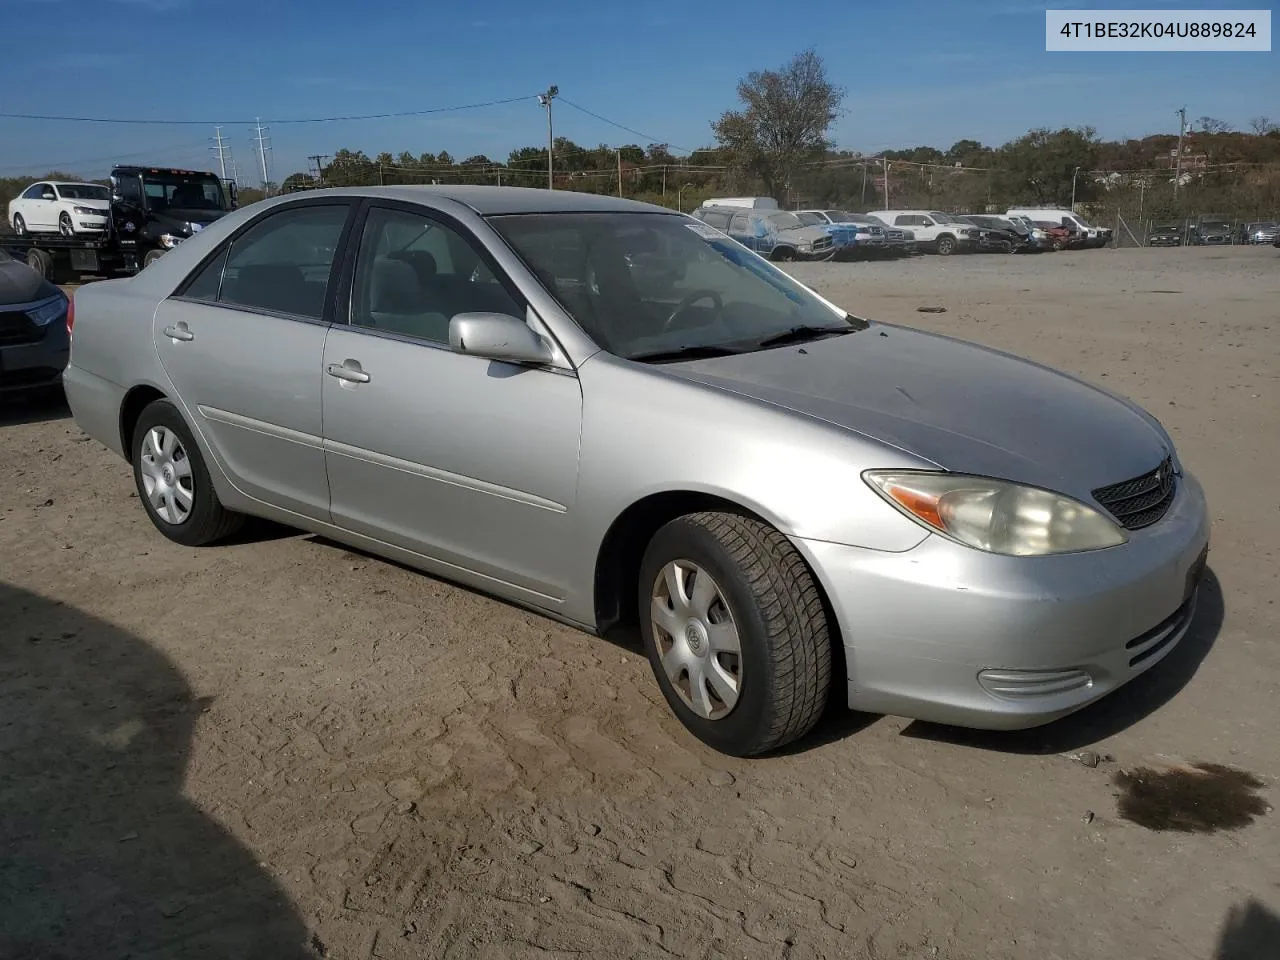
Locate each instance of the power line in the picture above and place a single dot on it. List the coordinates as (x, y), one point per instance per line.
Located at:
(614, 123)
(256, 120)
(187, 146)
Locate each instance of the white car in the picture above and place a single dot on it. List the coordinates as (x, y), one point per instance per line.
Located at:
(66, 208)
(934, 230)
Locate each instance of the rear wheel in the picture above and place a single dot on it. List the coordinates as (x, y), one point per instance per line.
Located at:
(65, 226)
(736, 632)
(19, 225)
(41, 262)
(173, 482)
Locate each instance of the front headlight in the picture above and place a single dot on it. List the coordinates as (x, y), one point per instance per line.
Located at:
(89, 212)
(44, 313)
(996, 516)
(169, 241)
(806, 247)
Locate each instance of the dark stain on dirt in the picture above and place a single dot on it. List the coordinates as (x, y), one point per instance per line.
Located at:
(1201, 798)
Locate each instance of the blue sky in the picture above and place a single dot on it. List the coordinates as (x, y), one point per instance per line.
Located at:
(917, 72)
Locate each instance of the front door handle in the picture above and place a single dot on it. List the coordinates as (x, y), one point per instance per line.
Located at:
(179, 332)
(349, 371)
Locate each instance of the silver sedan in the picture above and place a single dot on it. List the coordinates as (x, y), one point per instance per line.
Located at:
(612, 413)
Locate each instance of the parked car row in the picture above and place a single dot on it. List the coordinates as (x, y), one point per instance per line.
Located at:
(1211, 230)
(825, 234)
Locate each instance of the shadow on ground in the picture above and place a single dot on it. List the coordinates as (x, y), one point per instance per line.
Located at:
(102, 854)
(39, 406)
(1114, 713)
(1250, 932)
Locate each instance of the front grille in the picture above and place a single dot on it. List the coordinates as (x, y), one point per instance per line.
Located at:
(823, 243)
(1140, 502)
(16, 328)
(895, 235)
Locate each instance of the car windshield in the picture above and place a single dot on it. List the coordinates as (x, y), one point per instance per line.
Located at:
(643, 284)
(183, 192)
(83, 191)
(785, 221)
(810, 219)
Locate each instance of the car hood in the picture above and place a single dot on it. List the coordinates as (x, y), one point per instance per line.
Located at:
(20, 284)
(966, 408)
(803, 234)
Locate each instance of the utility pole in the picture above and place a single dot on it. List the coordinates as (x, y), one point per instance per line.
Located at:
(222, 150)
(1075, 174)
(1182, 129)
(545, 99)
(261, 140)
(884, 161)
(619, 172)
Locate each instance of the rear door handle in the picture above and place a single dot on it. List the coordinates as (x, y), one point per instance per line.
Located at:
(179, 332)
(351, 374)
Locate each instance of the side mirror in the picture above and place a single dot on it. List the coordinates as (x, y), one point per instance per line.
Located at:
(47, 196)
(497, 336)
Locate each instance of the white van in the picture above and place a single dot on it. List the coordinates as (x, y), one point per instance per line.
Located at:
(753, 203)
(1093, 236)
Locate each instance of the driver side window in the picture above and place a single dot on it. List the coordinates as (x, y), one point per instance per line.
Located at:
(414, 274)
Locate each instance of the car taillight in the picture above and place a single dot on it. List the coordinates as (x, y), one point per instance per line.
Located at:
(71, 314)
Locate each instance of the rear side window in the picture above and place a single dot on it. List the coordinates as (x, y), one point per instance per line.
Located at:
(718, 220)
(282, 264)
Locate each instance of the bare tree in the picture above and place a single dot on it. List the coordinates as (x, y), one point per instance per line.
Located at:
(1264, 125)
(1213, 125)
(785, 121)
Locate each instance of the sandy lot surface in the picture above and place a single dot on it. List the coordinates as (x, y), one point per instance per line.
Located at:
(279, 748)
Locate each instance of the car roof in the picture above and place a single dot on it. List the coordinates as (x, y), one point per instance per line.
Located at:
(492, 201)
(74, 183)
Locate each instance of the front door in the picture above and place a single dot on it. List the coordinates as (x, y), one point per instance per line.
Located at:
(471, 462)
(243, 342)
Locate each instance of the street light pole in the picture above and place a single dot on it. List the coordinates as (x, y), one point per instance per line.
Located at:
(1073, 189)
(545, 99)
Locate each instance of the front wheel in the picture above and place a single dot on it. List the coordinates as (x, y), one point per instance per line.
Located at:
(173, 481)
(946, 246)
(19, 225)
(736, 632)
(151, 257)
(65, 226)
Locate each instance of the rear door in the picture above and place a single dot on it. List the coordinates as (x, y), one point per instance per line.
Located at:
(243, 342)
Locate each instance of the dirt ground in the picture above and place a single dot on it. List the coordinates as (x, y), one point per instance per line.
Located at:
(279, 748)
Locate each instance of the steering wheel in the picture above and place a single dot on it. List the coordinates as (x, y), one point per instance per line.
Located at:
(689, 301)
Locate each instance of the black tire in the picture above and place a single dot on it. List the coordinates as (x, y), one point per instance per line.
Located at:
(65, 226)
(785, 660)
(208, 521)
(151, 257)
(19, 225)
(41, 262)
(946, 246)
(783, 255)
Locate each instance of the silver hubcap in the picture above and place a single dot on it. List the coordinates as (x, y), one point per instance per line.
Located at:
(696, 638)
(166, 475)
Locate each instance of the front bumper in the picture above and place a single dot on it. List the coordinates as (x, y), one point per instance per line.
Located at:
(949, 634)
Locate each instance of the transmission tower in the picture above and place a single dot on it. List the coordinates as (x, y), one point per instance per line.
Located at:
(263, 140)
(222, 150)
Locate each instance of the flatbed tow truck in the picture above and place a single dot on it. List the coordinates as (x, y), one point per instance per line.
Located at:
(153, 209)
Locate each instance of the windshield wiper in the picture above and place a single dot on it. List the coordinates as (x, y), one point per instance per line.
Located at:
(693, 352)
(801, 334)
